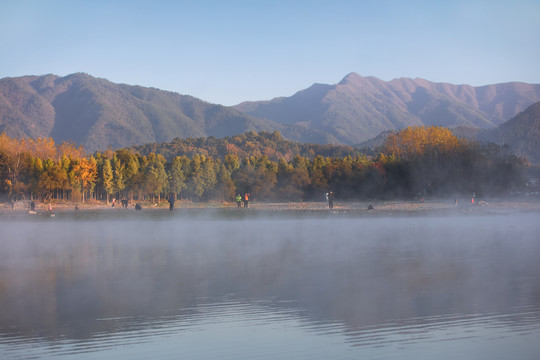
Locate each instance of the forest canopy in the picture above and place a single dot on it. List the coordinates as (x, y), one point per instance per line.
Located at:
(427, 160)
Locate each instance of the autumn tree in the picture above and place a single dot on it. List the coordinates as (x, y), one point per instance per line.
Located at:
(256, 176)
(418, 141)
(201, 177)
(292, 183)
(194, 184)
(177, 176)
(118, 175)
(231, 162)
(225, 188)
(208, 176)
(155, 178)
(107, 178)
(85, 175)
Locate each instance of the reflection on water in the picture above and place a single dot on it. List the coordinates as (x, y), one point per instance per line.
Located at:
(203, 285)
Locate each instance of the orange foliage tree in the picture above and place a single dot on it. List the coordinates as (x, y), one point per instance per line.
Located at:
(417, 141)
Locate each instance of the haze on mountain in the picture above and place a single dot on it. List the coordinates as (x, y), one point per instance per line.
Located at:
(360, 108)
(521, 133)
(98, 114)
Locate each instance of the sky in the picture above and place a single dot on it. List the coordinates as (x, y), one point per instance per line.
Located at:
(226, 52)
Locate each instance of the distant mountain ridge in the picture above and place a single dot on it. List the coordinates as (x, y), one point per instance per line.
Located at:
(99, 114)
(359, 108)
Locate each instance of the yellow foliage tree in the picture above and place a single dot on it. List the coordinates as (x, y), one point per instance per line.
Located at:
(85, 174)
(418, 141)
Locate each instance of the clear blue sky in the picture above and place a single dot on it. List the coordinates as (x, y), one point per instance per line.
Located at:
(229, 51)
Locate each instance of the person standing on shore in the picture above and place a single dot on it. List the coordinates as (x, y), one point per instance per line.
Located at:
(331, 200)
(246, 200)
(171, 202)
(239, 200)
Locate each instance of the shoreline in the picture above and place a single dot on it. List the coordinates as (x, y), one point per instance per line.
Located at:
(380, 207)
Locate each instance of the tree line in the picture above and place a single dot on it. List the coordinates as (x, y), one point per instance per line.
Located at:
(427, 160)
(271, 144)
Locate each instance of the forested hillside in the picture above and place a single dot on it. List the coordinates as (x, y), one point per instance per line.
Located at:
(272, 145)
(426, 160)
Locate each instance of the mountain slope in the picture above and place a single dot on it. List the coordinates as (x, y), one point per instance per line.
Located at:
(522, 133)
(99, 114)
(359, 108)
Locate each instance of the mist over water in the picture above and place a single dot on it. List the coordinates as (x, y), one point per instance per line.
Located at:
(205, 284)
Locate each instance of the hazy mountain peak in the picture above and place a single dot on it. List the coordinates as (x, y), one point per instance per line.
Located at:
(354, 79)
(350, 77)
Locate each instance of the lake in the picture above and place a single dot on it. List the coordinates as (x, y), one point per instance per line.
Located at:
(243, 284)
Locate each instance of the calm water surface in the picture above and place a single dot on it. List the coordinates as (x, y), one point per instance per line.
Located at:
(224, 284)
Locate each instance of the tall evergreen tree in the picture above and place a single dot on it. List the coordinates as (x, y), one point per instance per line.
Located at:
(177, 177)
(118, 175)
(108, 179)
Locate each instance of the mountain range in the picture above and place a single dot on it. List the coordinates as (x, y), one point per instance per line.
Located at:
(359, 108)
(99, 114)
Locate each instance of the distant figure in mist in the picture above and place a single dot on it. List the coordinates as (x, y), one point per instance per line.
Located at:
(125, 203)
(171, 202)
(370, 207)
(330, 197)
(138, 207)
(473, 197)
(32, 206)
(50, 207)
(239, 200)
(76, 207)
(246, 200)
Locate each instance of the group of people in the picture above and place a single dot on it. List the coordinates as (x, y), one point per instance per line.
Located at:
(239, 200)
(245, 199)
(124, 203)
